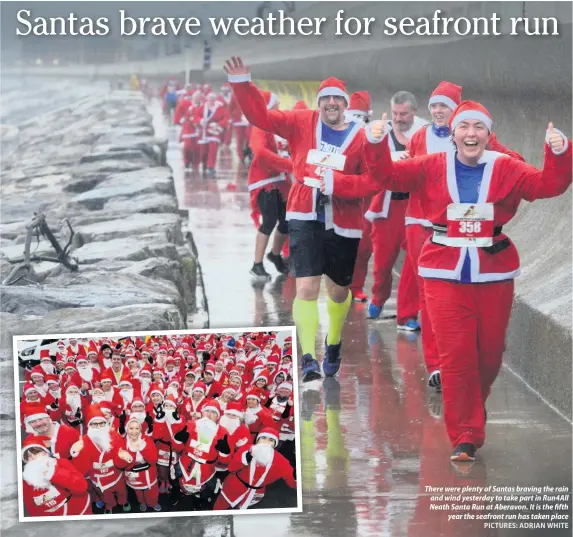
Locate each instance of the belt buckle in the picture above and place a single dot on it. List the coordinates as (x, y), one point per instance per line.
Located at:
(323, 200)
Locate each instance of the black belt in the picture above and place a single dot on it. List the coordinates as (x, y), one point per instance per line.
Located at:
(400, 195)
(247, 485)
(140, 468)
(193, 461)
(440, 229)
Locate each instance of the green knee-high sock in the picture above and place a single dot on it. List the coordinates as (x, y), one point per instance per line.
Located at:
(305, 315)
(337, 312)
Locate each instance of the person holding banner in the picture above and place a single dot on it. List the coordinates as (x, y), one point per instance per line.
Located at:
(468, 265)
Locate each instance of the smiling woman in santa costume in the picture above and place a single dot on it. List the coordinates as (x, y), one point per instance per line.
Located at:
(468, 266)
(51, 487)
(324, 228)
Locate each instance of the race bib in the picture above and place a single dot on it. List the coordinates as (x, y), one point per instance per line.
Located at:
(470, 224)
(325, 160)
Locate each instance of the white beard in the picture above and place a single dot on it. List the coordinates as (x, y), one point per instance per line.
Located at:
(251, 415)
(100, 437)
(263, 454)
(33, 472)
(139, 416)
(145, 384)
(169, 417)
(206, 429)
(108, 396)
(107, 363)
(48, 368)
(230, 424)
(98, 398)
(74, 401)
(86, 374)
(172, 391)
(56, 394)
(42, 390)
(95, 366)
(126, 395)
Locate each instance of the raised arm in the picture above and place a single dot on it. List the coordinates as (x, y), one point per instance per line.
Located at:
(252, 103)
(555, 177)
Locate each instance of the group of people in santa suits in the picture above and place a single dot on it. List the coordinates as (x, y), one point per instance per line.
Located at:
(207, 419)
(454, 183)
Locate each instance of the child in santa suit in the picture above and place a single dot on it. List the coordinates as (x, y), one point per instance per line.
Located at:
(166, 425)
(51, 487)
(252, 469)
(140, 468)
(94, 455)
(258, 417)
(469, 265)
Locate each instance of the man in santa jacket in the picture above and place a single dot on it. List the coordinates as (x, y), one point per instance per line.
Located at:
(324, 228)
(239, 435)
(88, 377)
(111, 392)
(386, 213)
(38, 379)
(212, 117)
(190, 133)
(51, 486)
(73, 407)
(140, 468)
(94, 456)
(433, 138)
(212, 387)
(269, 185)
(252, 469)
(61, 437)
(118, 371)
(258, 417)
(282, 409)
(468, 250)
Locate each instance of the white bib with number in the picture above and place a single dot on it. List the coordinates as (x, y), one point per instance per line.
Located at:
(469, 224)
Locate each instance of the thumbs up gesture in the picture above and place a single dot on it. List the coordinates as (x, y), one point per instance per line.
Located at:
(378, 128)
(554, 139)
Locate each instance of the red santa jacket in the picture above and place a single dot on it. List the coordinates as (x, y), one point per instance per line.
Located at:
(182, 107)
(212, 121)
(283, 414)
(63, 439)
(65, 494)
(115, 399)
(98, 465)
(235, 113)
(125, 375)
(168, 448)
(249, 478)
(192, 410)
(303, 131)
(259, 418)
(141, 474)
(506, 181)
(425, 142)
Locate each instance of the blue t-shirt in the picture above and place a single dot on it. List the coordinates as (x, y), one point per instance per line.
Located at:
(468, 179)
(332, 139)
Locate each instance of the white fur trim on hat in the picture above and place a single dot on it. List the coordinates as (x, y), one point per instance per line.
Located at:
(254, 396)
(275, 437)
(472, 114)
(41, 446)
(37, 416)
(234, 413)
(285, 385)
(332, 91)
(31, 389)
(212, 409)
(442, 99)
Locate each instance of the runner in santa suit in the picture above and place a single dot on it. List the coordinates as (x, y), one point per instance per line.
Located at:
(52, 399)
(469, 265)
(212, 117)
(206, 443)
(269, 186)
(51, 486)
(240, 126)
(136, 409)
(145, 381)
(257, 417)
(87, 377)
(61, 437)
(212, 387)
(387, 213)
(168, 95)
(106, 352)
(239, 434)
(141, 472)
(360, 111)
(183, 103)
(190, 133)
(74, 348)
(38, 379)
(166, 425)
(46, 362)
(225, 98)
(111, 393)
(252, 469)
(221, 376)
(73, 407)
(192, 408)
(324, 228)
(117, 371)
(29, 395)
(94, 456)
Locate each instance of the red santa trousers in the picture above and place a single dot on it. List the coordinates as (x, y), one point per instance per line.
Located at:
(416, 236)
(362, 258)
(209, 153)
(149, 496)
(108, 496)
(470, 322)
(387, 237)
(191, 153)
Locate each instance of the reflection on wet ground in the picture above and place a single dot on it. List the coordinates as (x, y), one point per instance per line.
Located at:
(373, 441)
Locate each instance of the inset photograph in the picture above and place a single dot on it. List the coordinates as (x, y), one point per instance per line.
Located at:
(178, 424)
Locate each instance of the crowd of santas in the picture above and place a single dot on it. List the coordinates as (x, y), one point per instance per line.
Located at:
(208, 418)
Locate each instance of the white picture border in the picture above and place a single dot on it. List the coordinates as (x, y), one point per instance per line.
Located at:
(169, 514)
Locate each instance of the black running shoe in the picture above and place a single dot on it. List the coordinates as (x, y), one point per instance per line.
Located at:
(278, 262)
(464, 452)
(435, 381)
(259, 272)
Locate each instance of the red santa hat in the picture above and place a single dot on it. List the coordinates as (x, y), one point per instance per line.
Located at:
(70, 365)
(92, 348)
(60, 359)
(137, 401)
(262, 375)
(267, 432)
(34, 411)
(235, 409)
(50, 379)
(300, 105)
(360, 104)
(210, 369)
(147, 370)
(81, 360)
(213, 405)
(235, 373)
(170, 399)
(170, 360)
(446, 93)
(61, 343)
(200, 386)
(45, 353)
(470, 110)
(107, 376)
(270, 98)
(125, 383)
(229, 389)
(253, 395)
(287, 385)
(98, 390)
(94, 413)
(29, 387)
(332, 87)
(81, 351)
(70, 386)
(37, 370)
(106, 405)
(226, 87)
(155, 388)
(35, 441)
